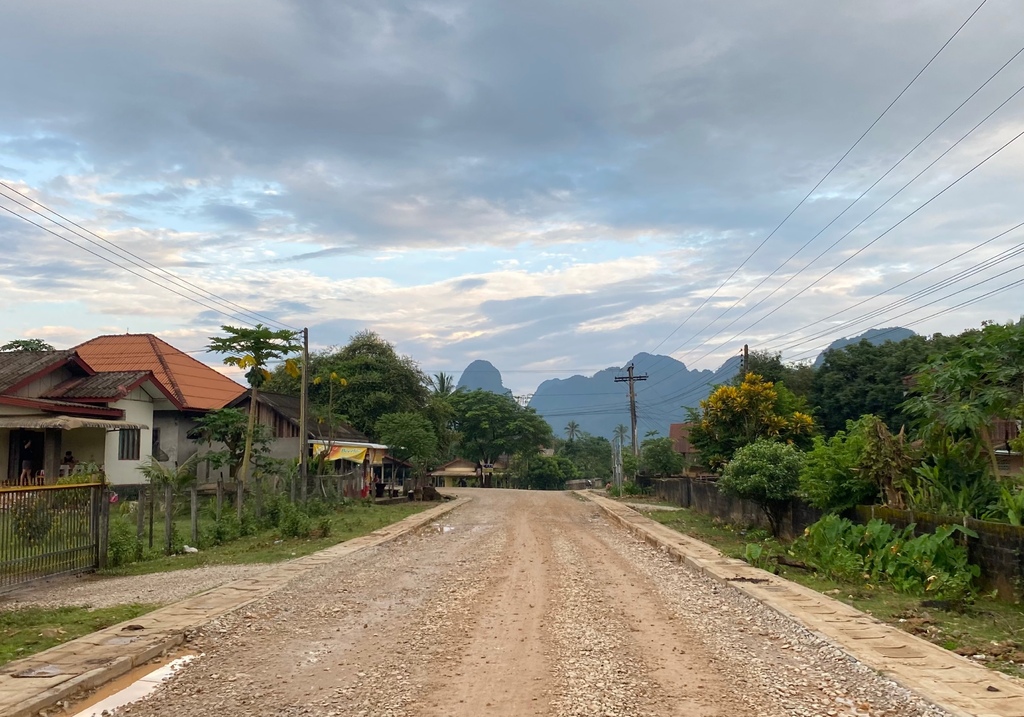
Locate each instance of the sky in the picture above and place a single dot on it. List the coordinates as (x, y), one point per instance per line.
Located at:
(551, 186)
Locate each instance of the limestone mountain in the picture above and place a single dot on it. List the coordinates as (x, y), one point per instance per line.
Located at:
(873, 336)
(484, 376)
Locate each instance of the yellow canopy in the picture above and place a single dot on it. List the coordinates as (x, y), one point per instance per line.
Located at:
(356, 454)
(352, 451)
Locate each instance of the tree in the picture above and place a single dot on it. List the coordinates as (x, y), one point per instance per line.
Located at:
(766, 472)
(157, 474)
(443, 384)
(797, 377)
(380, 381)
(228, 427)
(26, 345)
(550, 473)
(492, 425)
(658, 457)
(621, 433)
(863, 378)
(734, 416)
(592, 455)
(253, 349)
(409, 437)
(831, 479)
(572, 429)
(958, 393)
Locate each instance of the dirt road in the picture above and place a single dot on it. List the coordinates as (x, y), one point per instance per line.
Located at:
(521, 603)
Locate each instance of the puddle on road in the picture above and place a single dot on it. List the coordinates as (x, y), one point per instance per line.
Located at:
(131, 687)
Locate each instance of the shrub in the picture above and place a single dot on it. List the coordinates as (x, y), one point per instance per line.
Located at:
(32, 520)
(317, 508)
(932, 564)
(123, 545)
(324, 527)
(614, 491)
(767, 473)
(226, 529)
(631, 488)
(295, 523)
(273, 507)
(830, 480)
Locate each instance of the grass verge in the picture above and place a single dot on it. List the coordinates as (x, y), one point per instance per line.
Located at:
(989, 628)
(268, 546)
(29, 630)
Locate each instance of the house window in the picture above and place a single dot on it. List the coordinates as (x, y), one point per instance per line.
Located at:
(128, 444)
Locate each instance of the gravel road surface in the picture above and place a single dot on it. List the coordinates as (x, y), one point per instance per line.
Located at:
(519, 603)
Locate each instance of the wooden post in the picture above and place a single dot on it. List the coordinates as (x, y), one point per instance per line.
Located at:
(152, 510)
(220, 494)
(140, 515)
(194, 491)
(168, 517)
(239, 497)
(104, 528)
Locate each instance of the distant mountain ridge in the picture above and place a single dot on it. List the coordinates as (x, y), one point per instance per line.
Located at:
(599, 404)
(873, 336)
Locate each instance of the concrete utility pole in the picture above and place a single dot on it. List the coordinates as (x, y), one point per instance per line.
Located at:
(303, 413)
(631, 379)
(746, 360)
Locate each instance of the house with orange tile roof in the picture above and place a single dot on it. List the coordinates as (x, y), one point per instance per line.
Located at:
(53, 402)
(196, 387)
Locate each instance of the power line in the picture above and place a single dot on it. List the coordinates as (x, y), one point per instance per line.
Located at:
(854, 202)
(136, 260)
(826, 175)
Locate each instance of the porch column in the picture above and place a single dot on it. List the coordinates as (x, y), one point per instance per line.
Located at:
(52, 454)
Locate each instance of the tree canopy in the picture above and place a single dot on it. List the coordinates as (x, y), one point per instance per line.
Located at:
(491, 425)
(26, 345)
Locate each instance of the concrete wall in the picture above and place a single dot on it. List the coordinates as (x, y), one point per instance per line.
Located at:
(138, 408)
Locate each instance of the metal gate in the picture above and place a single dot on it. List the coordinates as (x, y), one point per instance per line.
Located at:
(50, 530)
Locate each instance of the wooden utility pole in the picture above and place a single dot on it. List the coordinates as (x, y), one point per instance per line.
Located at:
(303, 412)
(746, 360)
(631, 379)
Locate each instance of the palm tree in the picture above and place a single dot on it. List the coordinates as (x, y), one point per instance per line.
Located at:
(621, 433)
(443, 384)
(572, 430)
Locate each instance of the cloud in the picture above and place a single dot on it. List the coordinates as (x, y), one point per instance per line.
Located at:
(569, 180)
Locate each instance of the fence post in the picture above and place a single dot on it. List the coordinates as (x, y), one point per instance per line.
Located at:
(140, 515)
(195, 515)
(104, 527)
(152, 510)
(168, 517)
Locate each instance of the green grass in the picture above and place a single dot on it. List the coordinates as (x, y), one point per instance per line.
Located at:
(268, 546)
(988, 627)
(26, 631)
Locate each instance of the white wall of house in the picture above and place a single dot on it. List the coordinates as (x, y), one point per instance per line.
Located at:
(138, 408)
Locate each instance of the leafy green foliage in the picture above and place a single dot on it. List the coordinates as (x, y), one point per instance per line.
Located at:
(830, 479)
(295, 523)
(886, 461)
(410, 437)
(948, 488)
(1009, 507)
(934, 564)
(379, 381)
(32, 519)
(734, 416)
(550, 473)
(797, 377)
(490, 425)
(123, 544)
(592, 455)
(767, 473)
(227, 427)
(26, 345)
(658, 457)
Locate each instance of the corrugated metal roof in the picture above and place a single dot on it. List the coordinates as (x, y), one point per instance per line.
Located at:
(65, 423)
(106, 385)
(289, 407)
(16, 365)
(196, 385)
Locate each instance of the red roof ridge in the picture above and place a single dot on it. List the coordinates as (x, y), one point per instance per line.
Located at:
(167, 369)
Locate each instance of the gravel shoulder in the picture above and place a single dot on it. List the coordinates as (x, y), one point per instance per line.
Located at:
(521, 603)
(101, 591)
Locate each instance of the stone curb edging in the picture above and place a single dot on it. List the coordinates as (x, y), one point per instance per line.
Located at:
(954, 683)
(26, 696)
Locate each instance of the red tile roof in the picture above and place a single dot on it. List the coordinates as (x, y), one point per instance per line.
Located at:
(196, 385)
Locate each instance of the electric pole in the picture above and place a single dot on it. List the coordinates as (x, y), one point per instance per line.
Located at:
(746, 360)
(631, 379)
(303, 418)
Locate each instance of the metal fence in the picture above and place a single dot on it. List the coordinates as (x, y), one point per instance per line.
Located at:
(51, 530)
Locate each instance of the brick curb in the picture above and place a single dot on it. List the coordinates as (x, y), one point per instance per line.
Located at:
(95, 659)
(958, 685)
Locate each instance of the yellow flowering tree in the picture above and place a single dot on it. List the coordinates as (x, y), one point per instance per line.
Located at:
(734, 416)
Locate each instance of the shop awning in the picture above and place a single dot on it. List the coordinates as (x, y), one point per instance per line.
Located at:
(350, 451)
(66, 423)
